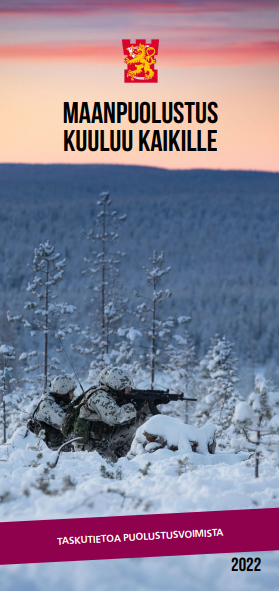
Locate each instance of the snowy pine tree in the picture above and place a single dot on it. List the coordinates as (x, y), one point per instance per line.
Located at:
(182, 369)
(219, 403)
(47, 316)
(108, 304)
(155, 329)
(204, 382)
(125, 351)
(8, 355)
(258, 422)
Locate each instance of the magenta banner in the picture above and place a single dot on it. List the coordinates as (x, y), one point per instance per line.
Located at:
(101, 538)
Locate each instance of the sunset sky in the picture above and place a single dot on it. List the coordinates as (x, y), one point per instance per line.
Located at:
(56, 51)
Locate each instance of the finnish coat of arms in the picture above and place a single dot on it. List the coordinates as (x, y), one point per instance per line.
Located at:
(140, 59)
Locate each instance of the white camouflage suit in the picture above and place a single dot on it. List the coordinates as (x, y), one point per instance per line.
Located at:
(50, 414)
(112, 427)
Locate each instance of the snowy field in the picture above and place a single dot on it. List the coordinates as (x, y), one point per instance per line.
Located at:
(176, 573)
(84, 485)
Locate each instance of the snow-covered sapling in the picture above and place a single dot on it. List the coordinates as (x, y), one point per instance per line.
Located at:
(47, 316)
(184, 465)
(219, 403)
(258, 420)
(182, 367)
(8, 355)
(146, 470)
(108, 303)
(204, 383)
(155, 329)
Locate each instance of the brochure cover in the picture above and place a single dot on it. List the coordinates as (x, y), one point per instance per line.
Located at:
(139, 343)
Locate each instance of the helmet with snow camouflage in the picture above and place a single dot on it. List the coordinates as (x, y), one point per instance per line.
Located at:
(118, 378)
(101, 377)
(62, 385)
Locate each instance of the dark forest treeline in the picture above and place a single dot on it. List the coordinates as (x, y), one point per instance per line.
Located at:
(219, 231)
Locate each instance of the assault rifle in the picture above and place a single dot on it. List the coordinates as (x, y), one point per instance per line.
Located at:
(153, 397)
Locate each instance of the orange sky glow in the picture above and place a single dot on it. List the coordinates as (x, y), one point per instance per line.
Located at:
(208, 51)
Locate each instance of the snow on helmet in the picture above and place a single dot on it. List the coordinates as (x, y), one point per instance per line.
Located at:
(62, 385)
(101, 377)
(118, 378)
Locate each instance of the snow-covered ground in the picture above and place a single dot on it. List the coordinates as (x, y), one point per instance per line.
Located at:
(179, 573)
(84, 485)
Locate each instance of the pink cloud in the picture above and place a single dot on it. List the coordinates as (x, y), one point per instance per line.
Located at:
(146, 6)
(234, 54)
(44, 51)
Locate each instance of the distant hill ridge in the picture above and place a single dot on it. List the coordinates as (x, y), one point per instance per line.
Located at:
(219, 231)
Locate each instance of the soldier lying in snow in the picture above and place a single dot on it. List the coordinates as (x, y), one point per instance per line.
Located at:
(104, 423)
(51, 410)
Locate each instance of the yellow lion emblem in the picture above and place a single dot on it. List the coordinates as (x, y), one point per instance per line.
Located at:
(142, 58)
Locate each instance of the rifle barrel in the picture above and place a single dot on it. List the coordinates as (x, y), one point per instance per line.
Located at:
(179, 396)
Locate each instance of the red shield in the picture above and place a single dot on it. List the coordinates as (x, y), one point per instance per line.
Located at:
(140, 59)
